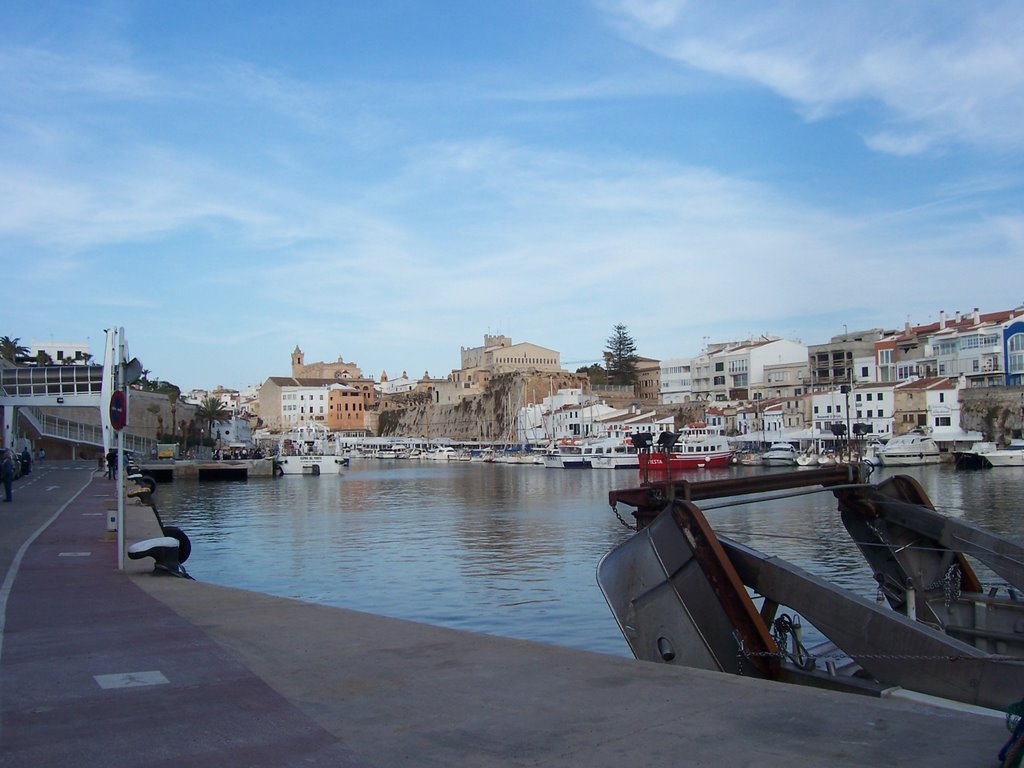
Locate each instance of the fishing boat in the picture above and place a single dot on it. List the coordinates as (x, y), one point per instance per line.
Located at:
(695, 447)
(309, 450)
(684, 595)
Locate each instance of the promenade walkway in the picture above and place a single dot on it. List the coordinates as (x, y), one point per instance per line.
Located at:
(103, 668)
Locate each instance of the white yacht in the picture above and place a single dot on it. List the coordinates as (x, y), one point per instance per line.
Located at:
(910, 449)
(780, 455)
(989, 455)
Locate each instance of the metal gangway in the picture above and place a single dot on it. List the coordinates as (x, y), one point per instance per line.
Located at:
(26, 390)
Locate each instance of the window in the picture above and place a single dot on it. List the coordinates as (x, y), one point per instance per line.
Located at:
(942, 421)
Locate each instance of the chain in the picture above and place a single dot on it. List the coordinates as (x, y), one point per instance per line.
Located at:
(615, 509)
(950, 583)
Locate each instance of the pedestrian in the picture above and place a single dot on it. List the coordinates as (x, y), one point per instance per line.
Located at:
(26, 461)
(7, 473)
(111, 463)
(42, 454)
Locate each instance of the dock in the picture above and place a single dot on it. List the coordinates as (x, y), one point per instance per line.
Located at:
(125, 668)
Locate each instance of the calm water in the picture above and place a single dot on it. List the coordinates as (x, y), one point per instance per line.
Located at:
(502, 549)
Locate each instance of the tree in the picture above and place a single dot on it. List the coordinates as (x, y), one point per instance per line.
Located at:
(43, 358)
(596, 373)
(621, 357)
(13, 349)
(211, 411)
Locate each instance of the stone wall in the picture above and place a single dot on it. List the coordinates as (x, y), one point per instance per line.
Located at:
(996, 412)
(488, 417)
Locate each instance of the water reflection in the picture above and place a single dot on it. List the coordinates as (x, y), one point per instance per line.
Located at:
(503, 549)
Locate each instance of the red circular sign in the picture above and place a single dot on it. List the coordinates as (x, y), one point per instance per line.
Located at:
(118, 410)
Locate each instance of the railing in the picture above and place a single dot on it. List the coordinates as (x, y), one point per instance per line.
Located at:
(77, 432)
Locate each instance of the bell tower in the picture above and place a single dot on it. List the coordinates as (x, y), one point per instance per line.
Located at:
(298, 361)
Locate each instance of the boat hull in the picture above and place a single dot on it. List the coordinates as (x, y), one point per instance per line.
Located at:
(311, 465)
(656, 462)
(908, 460)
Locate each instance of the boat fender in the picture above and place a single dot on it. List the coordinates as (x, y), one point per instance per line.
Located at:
(278, 469)
(316, 469)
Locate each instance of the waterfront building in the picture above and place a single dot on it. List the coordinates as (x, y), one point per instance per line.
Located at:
(974, 345)
(930, 404)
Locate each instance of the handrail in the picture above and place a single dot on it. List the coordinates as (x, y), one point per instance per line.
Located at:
(74, 431)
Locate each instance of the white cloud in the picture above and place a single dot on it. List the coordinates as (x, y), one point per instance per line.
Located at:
(942, 72)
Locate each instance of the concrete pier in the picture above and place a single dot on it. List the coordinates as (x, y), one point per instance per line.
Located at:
(224, 469)
(101, 667)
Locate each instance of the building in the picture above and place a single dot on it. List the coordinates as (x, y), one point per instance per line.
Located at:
(286, 402)
(499, 355)
(337, 371)
(836, 362)
(676, 380)
(346, 409)
(648, 380)
(61, 352)
(731, 371)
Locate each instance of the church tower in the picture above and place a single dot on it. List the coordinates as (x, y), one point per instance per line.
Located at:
(298, 361)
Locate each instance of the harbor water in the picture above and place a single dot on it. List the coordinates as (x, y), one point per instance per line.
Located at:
(509, 550)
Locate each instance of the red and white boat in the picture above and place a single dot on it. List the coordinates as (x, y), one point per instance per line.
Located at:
(697, 447)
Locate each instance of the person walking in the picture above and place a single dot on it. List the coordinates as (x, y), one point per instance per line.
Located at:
(26, 461)
(111, 463)
(7, 472)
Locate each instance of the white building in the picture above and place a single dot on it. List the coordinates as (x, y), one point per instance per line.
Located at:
(61, 352)
(676, 380)
(731, 370)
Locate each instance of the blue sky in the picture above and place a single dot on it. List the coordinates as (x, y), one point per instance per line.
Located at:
(388, 181)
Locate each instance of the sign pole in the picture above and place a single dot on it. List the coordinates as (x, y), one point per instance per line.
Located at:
(120, 387)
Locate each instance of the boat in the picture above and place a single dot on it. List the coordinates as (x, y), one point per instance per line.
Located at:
(566, 454)
(309, 449)
(748, 458)
(807, 458)
(614, 453)
(681, 594)
(780, 455)
(987, 455)
(695, 447)
(911, 449)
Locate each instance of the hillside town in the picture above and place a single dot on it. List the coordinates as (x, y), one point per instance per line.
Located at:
(958, 379)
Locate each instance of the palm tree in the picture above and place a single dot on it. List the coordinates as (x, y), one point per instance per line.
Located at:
(13, 349)
(211, 411)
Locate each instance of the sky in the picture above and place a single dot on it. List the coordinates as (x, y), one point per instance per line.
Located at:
(386, 181)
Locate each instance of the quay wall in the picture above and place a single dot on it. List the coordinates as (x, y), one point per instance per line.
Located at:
(996, 412)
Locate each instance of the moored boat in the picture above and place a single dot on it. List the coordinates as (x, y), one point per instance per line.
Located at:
(780, 455)
(309, 450)
(681, 594)
(695, 447)
(911, 449)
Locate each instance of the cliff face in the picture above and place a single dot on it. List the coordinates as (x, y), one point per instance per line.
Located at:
(487, 417)
(996, 412)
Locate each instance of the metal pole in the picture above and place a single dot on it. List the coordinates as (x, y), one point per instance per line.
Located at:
(120, 477)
